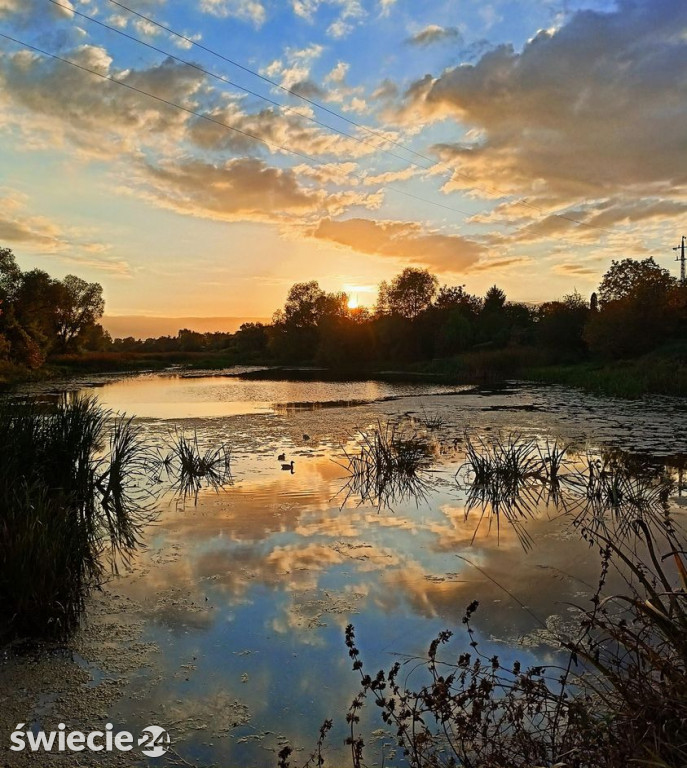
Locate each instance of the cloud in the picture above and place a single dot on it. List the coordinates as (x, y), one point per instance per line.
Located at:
(277, 128)
(29, 10)
(595, 108)
(387, 89)
(385, 7)
(408, 241)
(351, 13)
(40, 234)
(240, 189)
(243, 189)
(99, 117)
(245, 10)
(293, 68)
(434, 34)
(576, 270)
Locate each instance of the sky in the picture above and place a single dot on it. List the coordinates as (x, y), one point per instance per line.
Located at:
(198, 157)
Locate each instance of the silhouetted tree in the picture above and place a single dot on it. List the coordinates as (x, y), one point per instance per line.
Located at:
(251, 340)
(80, 305)
(636, 313)
(303, 305)
(410, 293)
(594, 302)
(561, 325)
(631, 279)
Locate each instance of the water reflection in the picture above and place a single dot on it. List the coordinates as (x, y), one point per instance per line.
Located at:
(182, 397)
(246, 594)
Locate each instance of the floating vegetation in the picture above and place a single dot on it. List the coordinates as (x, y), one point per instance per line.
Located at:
(391, 467)
(431, 422)
(512, 477)
(72, 500)
(191, 468)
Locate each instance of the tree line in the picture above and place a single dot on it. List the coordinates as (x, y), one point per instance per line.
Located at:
(40, 315)
(638, 306)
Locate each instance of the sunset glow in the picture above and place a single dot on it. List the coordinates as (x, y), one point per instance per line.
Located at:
(338, 141)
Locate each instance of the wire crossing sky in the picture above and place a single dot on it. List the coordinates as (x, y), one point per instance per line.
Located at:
(197, 157)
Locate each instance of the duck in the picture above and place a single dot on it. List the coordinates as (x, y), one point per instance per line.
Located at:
(281, 457)
(287, 467)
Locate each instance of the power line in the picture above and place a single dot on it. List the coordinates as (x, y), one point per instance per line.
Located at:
(273, 83)
(311, 160)
(233, 84)
(338, 115)
(157, 98)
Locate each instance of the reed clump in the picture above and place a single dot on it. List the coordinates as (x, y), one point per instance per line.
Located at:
(389, 466)
(192, 468)
(72, 502)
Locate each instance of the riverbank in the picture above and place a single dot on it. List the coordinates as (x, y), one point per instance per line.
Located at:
(661, 372)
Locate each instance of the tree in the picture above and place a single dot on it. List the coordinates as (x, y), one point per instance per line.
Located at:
(303, 304)
(251, 340)
(636, 311)
(80, 304)
(36, 301)
(456, 297)
(10, 276)
(561, 326)
(494, 300)
(411, 292)
(632, 279)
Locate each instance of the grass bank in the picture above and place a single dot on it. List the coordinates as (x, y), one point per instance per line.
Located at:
(662, 372)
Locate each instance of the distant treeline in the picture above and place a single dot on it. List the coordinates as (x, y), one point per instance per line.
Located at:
(638, 307)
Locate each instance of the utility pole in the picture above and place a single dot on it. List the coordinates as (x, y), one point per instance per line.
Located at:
(681, 259)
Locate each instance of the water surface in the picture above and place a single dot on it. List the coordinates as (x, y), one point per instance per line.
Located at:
(228, 628)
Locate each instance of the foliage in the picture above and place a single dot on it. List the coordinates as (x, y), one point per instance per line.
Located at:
(71, 497)
(409, 293)
(40, 315)
(561, 326)
(632, 279)
(80, 305)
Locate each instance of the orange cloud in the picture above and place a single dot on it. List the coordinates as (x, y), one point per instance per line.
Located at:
(403, 240)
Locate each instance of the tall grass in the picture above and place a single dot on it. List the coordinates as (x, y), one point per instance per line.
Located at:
(388, 467)
(191, 468)
(72, 502)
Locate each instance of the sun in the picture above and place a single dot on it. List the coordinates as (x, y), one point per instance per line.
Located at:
(353, 302)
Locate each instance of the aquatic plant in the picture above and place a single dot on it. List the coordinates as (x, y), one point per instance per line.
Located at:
(72, 501)
(192, 468)
(610, 492)
(431, 422)
(388, 467)
(503, 461)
